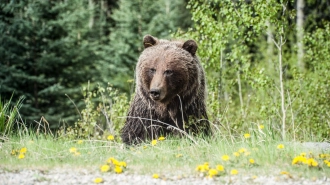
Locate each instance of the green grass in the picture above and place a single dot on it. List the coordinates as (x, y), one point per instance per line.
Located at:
(47, 153)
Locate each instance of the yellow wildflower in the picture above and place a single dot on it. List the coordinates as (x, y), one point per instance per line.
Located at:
(155, 176)
(225, 157)
(73, 150)
(242, 150)
(13, 152)
(254, 177)
(213, 172)
(328, 165)
(261, 127)
(118, 169)
(312, 162)
(161, 138)
(233, 172)
(178, 155)
(122, 163)
(23, 150)
(326, 161)
(303, 154)
(280, 146)
(21, 156)
(105, 168)
(80, 142)
(110, 138)
(113, 161)
(153, 142)
(220, 168)
(247, 135)
(76, 154)
(98, 180)
(251, 161)
(284, 173)
(144, 147)
(236, 154)
(203, 168)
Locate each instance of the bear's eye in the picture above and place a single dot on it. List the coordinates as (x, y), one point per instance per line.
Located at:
(168, 72)
(152, 70)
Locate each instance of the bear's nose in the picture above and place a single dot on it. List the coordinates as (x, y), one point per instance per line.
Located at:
(154, 93)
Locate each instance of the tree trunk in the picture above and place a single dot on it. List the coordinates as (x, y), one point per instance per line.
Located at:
(300, 34)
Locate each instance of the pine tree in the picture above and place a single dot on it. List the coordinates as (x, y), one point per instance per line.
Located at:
(46, 54)
(133, 20)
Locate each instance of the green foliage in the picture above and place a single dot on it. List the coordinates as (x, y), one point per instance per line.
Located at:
(133, 20)
(8, 116)
(103, 115)
(48, 50)
(239, 47)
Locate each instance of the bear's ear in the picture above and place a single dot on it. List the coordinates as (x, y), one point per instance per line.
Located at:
(149, 40)
(190, 46)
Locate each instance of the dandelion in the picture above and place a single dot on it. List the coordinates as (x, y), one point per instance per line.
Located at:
(303, 154)
(247, 135)
(153, 142)
(261, 127)
(155, 176)
(312, 162)
(21, 156)
(13, 152)
(23, 150)
(233, 172)
(79, 142)
(251, 161)
(118, 169)
(236, 154)
(213, 172)
(98, 180)
(225, 158)
(178, 155)
(220, 168)
(144, 147)
(105, 168)
(280, 146)
(73, 150)
(122, 163)
(161, 138)
(328, 165)
(284, 173)
(110, 138)
(203, 168)
(242, 150)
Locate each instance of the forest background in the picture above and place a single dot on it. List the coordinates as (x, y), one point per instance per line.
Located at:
(68, 66)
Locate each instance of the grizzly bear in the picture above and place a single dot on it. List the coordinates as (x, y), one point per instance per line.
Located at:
(169, 94)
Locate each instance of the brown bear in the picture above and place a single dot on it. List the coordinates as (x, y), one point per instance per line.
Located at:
(170, 92)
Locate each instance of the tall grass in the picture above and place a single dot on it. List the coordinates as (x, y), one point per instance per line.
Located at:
(8, 116)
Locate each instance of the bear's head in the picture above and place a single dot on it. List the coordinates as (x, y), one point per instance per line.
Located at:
(167, 69)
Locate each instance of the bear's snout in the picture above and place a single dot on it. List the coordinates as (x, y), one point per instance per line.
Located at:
(155, 93)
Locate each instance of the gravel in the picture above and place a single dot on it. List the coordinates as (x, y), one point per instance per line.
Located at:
(66, 177)
(84, 176)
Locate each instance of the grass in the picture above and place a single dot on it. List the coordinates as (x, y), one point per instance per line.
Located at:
(170, 157)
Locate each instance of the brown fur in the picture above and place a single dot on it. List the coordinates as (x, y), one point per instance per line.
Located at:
(170, 92)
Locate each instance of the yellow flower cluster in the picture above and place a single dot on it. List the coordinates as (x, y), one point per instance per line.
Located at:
(154, 142)
(311, 161)
(74, 151)
(205, 169)
(19, 153)
(113, 164)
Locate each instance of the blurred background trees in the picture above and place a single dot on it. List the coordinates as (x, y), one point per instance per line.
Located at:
(267, 62)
